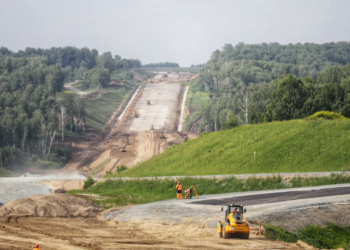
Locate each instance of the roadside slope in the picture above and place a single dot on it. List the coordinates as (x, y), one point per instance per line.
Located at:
(290, 146)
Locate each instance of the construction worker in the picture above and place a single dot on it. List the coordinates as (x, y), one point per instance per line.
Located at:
(189, 193)
(36, 247)
(179, 190)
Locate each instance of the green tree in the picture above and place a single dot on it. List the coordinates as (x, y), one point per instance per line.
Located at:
(106, 61)
(287, 100)
(97, 78)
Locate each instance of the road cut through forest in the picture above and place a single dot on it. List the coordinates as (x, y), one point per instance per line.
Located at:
(164, 225)
(153, 111)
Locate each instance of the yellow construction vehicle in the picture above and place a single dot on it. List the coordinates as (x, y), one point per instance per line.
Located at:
(235, 223)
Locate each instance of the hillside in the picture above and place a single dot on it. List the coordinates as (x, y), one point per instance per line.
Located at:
(244, 78)
(289, 146)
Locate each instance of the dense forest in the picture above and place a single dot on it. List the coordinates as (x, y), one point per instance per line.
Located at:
(267, 82)
(161, 65)
(34, 108)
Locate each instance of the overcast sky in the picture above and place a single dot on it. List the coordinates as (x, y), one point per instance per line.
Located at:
(182, 31)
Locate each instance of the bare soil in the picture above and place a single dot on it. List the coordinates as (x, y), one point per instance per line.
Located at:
(91, 233)
(98, 156)
(55, 205)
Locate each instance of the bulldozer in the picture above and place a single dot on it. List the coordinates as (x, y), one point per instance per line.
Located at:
(235, 223)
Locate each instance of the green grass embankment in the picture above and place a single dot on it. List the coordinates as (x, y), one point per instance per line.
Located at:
(331, 237)
(99, 110)
(289, 146)
(197, 102)
(140, 191)
(6, 173)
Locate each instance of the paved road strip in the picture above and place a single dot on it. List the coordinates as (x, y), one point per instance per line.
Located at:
(276, 197)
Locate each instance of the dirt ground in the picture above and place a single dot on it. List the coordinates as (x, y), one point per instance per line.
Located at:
(99, 156)
(91, 233)
(55, 205)
(172, 224)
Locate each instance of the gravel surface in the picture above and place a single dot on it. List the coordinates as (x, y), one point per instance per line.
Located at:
(184, 211)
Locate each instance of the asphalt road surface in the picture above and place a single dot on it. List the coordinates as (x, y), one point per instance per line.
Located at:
(276, 197)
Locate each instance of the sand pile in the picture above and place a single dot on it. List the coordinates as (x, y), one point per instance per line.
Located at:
(55, 205)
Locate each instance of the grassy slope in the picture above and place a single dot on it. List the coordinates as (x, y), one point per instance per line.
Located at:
(139, 191)
(290, 146)
(99, 110)
(331, 237)
(5, 173)
(197, 101)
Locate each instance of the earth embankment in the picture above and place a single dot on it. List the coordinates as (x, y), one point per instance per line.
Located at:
(55, 205)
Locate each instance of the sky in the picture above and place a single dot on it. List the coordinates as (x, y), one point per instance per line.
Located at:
(181, 31)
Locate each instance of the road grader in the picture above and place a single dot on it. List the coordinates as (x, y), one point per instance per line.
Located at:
(235, 223)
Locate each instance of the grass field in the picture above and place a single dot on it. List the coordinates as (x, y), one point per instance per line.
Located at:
(99, 110)
(197, 102)
(289, 146)
(5, 173)
(81, 87)
(125, 192)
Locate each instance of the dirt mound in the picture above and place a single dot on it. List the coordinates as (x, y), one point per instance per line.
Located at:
(316, 215)
(55, 205)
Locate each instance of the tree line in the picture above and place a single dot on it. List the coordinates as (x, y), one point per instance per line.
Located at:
(107, 66)
(252, 83)
(34, 109)
(76, 62)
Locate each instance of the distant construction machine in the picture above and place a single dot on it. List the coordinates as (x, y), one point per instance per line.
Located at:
(133, 112)
(148, 102)
(122, 149)
(161, 135)
(235, 223)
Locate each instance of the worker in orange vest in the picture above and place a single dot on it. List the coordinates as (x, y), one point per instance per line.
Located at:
(36, 247)
(179, 190)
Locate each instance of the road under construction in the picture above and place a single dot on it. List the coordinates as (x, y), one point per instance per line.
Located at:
(149, 123)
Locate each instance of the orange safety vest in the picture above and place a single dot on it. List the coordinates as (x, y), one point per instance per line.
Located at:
(35, 248)
(179, 187)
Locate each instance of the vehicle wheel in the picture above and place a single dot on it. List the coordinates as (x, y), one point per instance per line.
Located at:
(245, 236)
(220, 227)
(225, 234)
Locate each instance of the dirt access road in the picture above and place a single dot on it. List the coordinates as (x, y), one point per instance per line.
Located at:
(91, 233)
(70, 87)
